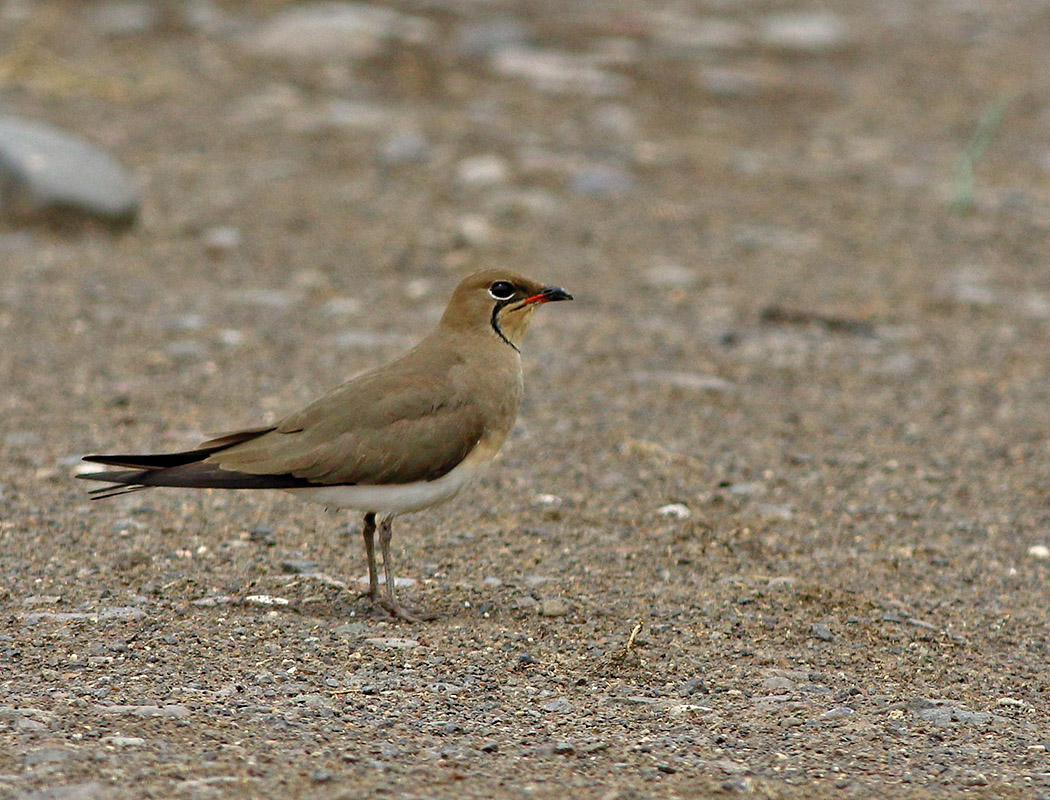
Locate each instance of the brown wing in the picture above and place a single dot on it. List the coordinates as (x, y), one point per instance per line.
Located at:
(389, 426)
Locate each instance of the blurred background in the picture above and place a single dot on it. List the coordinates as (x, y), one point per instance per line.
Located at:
(796, 419)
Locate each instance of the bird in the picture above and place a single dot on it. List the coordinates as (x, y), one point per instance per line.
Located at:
(406, 436)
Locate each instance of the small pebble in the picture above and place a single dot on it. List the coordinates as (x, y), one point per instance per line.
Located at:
(603, 180)
(675, 511)
(221, 240)
(692, 686)
(553, 607)
(804, 31)
(778, 683)
(1039, 552)
(558, 705)
(404, 148)
(298, 566)
(483, 170)
(265, 600)
(392, 642)
(822, 632)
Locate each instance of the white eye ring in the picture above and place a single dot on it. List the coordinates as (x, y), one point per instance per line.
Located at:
(501, 290)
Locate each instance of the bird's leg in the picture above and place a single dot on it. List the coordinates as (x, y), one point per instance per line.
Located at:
(370, 553)
(390, 603)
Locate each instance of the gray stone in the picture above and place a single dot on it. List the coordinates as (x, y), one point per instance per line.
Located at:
(189, 349)
(553, 607)
(838, 712)
(778, 683)
(46, 173)
(22, 439)
(750, 489)
(615, 120)
(109, 612)
(822, 632)
(558, 705)
(775, 512)
(946, 715)
(41, 599)
(404, 147)
(392, 642)
(299, 566)
(48, 755)
(170, 711)
(692, 686)
(74, 791)
(731, 83)
(603, 180)
(480, 39)
(781, 582)
(124, 17)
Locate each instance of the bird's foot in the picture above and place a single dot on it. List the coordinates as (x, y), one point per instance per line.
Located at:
(400, 612)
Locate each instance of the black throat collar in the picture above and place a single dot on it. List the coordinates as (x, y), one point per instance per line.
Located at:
(499, 331)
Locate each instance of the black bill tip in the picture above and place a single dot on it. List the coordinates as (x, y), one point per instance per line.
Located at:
(554, 293)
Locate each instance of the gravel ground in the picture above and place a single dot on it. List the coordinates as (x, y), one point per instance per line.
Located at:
(774, 518)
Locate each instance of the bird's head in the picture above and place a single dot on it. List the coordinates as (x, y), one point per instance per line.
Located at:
(501, 301)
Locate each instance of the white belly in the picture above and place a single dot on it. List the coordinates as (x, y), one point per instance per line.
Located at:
(397, 498)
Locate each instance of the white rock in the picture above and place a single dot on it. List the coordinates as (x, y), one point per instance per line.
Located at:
(1039, 551)
(265, 600)
(221, 239)
(688, 709)
(399, 583)
(806, 32)
(334, 31)
(675, 510)
(484, 170)
(123, 741)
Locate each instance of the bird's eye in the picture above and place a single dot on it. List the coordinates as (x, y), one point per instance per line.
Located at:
(501, 290)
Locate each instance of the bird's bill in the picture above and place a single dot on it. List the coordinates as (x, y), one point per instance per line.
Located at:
(549, 295)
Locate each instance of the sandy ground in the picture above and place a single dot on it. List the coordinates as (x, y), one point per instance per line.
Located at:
(792, 435)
